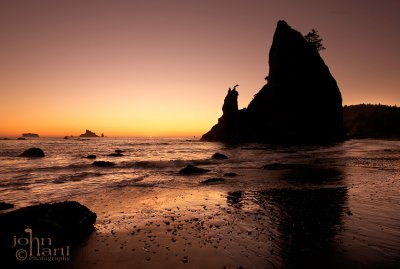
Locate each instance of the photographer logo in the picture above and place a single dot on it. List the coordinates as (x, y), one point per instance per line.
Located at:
(33, 248)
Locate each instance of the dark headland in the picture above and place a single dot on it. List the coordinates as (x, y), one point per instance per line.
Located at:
(372, 121)
(301, 102)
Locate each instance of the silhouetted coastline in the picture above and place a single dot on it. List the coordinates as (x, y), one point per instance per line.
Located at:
(372, 121)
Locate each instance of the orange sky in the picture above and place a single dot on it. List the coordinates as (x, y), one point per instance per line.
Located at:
(140, 68)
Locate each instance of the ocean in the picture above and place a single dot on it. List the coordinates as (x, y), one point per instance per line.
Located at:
(337, 203)
(64, 173)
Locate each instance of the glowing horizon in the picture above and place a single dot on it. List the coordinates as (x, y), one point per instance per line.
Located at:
(150, 68)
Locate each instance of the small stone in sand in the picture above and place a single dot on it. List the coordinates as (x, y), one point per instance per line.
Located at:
(191, 169)
(213, 180)
(115, 154)
(219, 156)
(103, 164)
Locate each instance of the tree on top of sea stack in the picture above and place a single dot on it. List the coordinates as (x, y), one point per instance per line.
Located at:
(314, 39)
(301, 102)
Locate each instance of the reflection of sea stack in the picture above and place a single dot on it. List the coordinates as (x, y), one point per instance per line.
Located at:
(300, 103)
(89, 133)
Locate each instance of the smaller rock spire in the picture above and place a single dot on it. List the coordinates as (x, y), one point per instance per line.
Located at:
(230, 105)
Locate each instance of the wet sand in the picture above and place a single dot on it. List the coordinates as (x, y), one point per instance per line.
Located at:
(215, 227)
(168, 228)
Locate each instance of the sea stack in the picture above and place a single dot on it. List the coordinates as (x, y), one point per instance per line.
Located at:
(301, 102)
(89, 133)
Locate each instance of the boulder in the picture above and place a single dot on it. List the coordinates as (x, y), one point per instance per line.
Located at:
(301, 102)
(191, 169)
(91, 156)
(219, 156)
(103, 163)
(115, 154)
(5, 206)
(32, 153)
(57, 225)
(213, 180)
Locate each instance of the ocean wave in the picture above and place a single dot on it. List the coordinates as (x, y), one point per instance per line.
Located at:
(204, 162)
(154, 164)
(53, 168)
(166, 164)
(144, 144)
(75, 177)
(16, 183)
(133, 182)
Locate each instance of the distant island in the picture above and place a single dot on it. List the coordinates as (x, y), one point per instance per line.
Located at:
(301, 102)
(89, 133)
(30, 135)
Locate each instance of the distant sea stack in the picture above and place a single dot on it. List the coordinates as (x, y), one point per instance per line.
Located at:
(301, 103)
(89, 133)
(30, 135)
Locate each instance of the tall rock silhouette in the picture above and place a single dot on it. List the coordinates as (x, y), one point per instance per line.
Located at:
(301, 103)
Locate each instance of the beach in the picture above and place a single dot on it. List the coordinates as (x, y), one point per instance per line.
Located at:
(277, 206)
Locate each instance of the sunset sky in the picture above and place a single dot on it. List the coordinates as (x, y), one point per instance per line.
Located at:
(163, 67)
